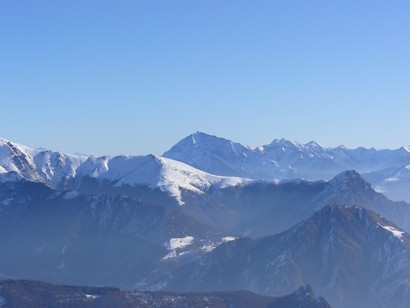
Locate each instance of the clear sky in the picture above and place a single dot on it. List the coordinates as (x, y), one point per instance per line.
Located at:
(134, 77)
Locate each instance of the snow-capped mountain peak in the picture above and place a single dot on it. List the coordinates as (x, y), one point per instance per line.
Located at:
(285, 143)
(18, 158)
(218, 156)
(284, 159)
(313, 145)
(36, 164)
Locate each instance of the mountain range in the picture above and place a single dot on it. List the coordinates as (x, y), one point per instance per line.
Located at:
(387, 170)
(211, 215)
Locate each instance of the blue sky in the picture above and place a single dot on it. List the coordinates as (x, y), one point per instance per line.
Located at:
(134, 77)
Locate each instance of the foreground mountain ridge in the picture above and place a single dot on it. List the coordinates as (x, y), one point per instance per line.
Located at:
(22, 293)
(349, 255)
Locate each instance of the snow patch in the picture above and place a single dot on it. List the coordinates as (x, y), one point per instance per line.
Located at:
(396, 233)
(92, 297)
(178, 243)
(212, 246)
(208, 248)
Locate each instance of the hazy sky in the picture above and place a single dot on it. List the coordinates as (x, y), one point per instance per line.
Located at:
(134, 77)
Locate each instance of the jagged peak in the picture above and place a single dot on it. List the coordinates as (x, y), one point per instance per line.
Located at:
(10, 144)
(285, 142)
(313, 144)
(3, 141)
(348, 176)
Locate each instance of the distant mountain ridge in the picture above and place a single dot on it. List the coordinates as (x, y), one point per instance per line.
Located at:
(283, 159)
(221, 161)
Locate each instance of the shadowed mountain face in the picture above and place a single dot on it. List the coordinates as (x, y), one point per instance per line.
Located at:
(263, 207)
(96, 240)
(259, 208)
(21, 293)
(48, 235)
(349, 255)
(255, 208)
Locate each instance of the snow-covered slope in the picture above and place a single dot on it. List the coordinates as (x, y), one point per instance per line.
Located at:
(222, 163)
(95, 240)
(53, 168)
(221, 156)
(166, 174)
(283, 159)
(38, 165)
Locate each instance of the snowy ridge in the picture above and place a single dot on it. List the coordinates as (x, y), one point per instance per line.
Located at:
(176, 175)
(38, 165)
(156, 172)
(284, 159)
(200, 161)
(52, 168)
